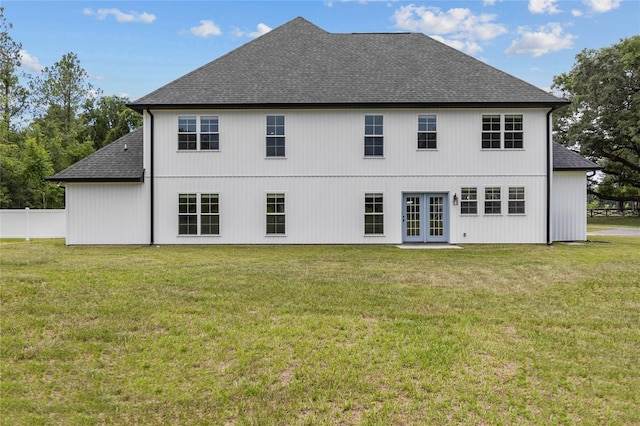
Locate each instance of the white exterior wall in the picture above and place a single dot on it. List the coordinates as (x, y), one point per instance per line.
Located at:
(325, 175)
(107, 213)
(569, 201)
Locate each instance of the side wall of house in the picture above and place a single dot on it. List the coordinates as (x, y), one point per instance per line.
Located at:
(569, 201)
(325, 175)
(107, 213)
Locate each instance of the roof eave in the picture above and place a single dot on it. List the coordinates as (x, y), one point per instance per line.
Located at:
(349, 105)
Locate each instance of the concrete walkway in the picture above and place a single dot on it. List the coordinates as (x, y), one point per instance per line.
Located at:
(619, 231)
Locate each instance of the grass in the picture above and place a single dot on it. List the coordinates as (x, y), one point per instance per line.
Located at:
(607, 221)
(320, 334)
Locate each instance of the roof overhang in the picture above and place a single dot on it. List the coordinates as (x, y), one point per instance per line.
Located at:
(351, 105)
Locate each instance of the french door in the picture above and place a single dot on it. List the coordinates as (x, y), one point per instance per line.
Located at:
(425, 217)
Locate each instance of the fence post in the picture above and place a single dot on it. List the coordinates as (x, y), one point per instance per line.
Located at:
(26, 209)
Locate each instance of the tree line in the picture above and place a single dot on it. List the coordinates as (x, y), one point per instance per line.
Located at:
(52, 120)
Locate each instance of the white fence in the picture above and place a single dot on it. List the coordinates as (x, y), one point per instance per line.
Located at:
(30, 223)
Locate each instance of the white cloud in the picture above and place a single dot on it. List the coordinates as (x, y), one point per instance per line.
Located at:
(543, 6)
(602, 6)
(29, 62)
(576, 13)
(261, 29)
(458, 27)
(144, 17)
(548, 38)
(488, 2)
(205, 29)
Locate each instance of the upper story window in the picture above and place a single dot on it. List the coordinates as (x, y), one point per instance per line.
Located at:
(497, 133)
(427, 136)
(469, 201)
(373, 136)
(492, 200)
(209, 135)
(275, 136)
(513, 133)
(490, 132)
(188, 136)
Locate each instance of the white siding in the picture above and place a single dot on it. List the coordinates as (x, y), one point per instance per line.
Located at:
(107, 213)
(569, 201)
(331, 209)
(325, 175)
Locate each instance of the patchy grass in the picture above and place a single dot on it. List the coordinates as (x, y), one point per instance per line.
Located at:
(606, 221)
(320, 334)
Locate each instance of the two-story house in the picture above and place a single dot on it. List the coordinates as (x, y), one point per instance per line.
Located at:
(302, 136)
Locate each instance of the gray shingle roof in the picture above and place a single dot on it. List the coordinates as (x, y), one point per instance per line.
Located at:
(565, 159)
(299, 63)
(112, 163)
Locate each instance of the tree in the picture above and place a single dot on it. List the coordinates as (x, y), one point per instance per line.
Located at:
(64, 85)
(603, 120)
(107, 118)
(13, 95)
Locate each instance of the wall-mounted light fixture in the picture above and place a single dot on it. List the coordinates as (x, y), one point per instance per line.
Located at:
(455, 199)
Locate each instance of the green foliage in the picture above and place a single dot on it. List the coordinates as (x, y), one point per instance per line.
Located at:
(71, 121)
(13, 96)
(603, 120)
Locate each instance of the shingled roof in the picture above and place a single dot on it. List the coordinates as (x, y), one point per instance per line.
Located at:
(565, 159)
(120, 161)
(299, 64)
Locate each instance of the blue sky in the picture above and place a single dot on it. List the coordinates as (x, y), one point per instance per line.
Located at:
(130, 48)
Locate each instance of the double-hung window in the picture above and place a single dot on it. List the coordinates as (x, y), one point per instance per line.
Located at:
(275, 136)
(490, 132)
(373, 136)
(427, 136)
(187, 135)
(498, 133)
(198, 214)
(373, 214)
(209, 134)
(207, 139)
(516, 200)
(513, 132)
(276, 219)
(469, 201)
(492, 200)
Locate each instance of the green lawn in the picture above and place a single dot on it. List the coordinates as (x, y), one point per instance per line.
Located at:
(320, 334)
(599, 221)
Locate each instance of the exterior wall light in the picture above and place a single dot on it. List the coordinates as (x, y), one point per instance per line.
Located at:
(455, 199)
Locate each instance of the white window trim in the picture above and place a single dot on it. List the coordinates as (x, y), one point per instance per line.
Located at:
(503, 131)
(524, 200)
(266, 213)
(198, 214)
(436, 132)
(365, 135)
(484, 199)
(384, 209)
(286, 150)
(198, 132)
(477, 201)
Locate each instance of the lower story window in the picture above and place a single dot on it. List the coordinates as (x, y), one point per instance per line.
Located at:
(373, 214)
(198, 212)
(469, 201)
(276, 219)
(516, 200)
(492, 200)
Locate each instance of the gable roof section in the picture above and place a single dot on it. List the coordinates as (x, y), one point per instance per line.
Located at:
(300, 64)
(565, 159)
(112, 163)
